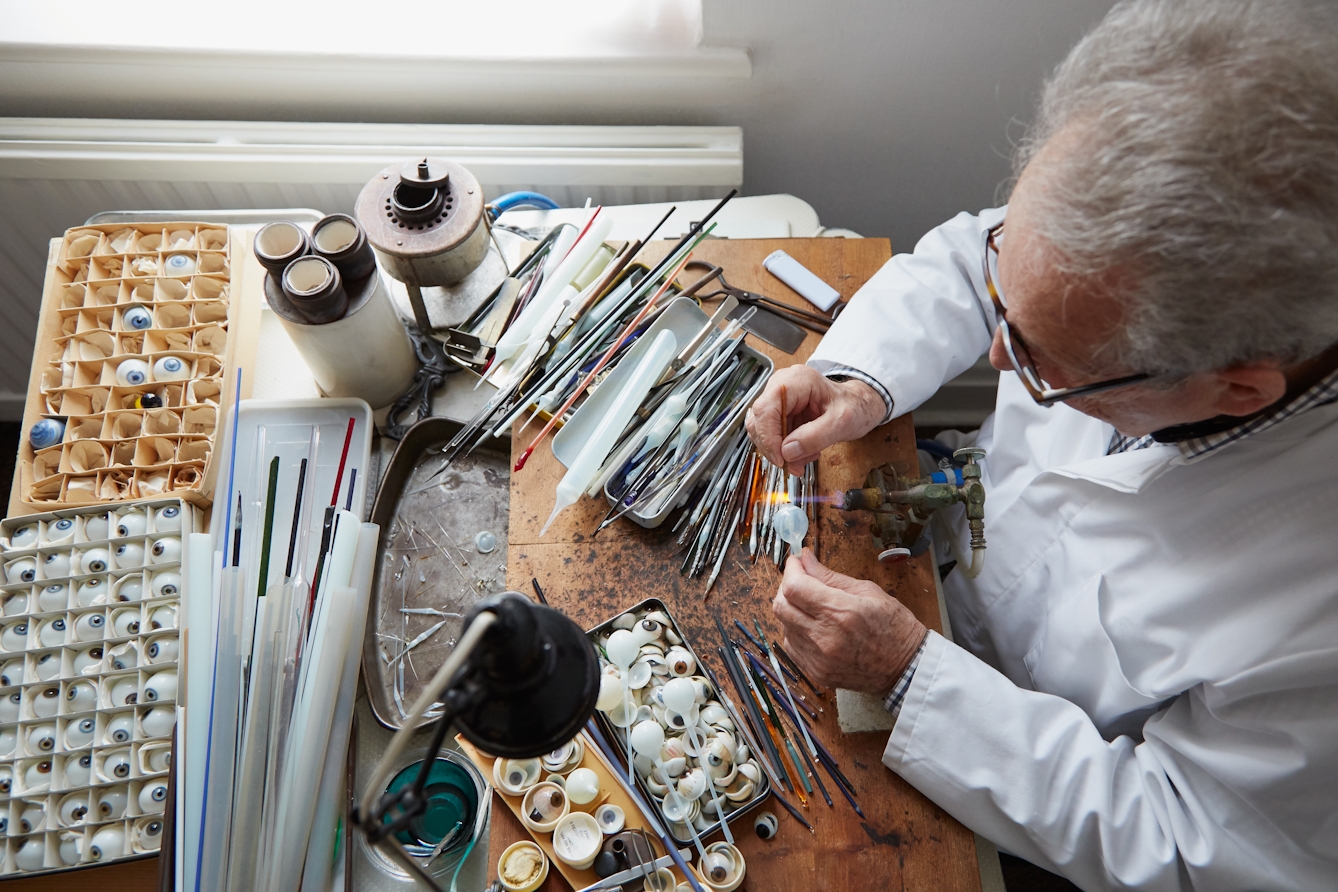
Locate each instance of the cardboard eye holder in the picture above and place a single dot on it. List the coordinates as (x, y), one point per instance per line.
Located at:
(118, 299)
(89, 696)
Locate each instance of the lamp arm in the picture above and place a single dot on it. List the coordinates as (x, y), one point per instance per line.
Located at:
(432, 694)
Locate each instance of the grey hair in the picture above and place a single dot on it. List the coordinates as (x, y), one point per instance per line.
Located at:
(1202, 178)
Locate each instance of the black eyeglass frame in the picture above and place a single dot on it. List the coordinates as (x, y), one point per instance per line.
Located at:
(1020, 356)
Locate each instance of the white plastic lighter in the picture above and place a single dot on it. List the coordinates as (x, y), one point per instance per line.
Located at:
(802, 280)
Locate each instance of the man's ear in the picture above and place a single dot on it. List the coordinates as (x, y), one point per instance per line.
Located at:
(1245, 389)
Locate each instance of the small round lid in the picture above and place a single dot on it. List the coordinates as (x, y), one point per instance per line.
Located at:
(407, 215)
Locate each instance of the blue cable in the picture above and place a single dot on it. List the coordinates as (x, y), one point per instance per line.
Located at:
(520, 199)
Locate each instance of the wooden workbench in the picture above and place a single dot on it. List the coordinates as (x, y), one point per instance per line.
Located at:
(905, 842)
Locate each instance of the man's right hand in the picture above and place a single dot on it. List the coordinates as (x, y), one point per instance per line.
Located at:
(820, 413)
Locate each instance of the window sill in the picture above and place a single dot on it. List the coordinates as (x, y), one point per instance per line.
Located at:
(45, 79)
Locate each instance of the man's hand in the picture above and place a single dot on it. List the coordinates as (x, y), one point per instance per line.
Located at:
(843, 632)
(821, 412)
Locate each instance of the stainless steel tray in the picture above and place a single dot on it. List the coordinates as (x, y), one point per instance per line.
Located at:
(427, 559)
(615, 735)
(689, 315)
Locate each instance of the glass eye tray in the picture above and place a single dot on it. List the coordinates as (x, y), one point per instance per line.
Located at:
(88, 664)
(431, 569)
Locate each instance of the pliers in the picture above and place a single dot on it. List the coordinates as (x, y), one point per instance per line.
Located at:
(811, 321)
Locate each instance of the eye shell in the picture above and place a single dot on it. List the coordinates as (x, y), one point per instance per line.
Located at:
(112, 802)
(162, 650)
(124, 656)
(121, 728)
(108, 843)
(73, 808)
(78, 769)
(21, 570)
(166, 585)
(81, 696)
(147, 835)
(53, 597)
(79, 734)
(59, 532)
(94, 560)
(136, 319)
(167, 519)
(158, 722)
(132, 523)
(92, 592)
(96, 527)
(161, 686)
(14, 636)
(124, 691)
(89, 660)
(71, 848)
(129, 588)
(132, 372)
(153, 798)
(166, 550)
(37, 776)
(31, 855)
(125, 622)
(8, 741)
(171, 368)
(179, 265)
(90, 627)
(11, 672)
(56, 564)
(45, 701)
(47, 667)
(9, 707)
(115, 765)
(22, 538)
(129, 555)
(41, 738)
(164, 617)
(51, 633)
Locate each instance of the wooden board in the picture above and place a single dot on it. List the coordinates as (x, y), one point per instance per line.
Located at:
(905, 841)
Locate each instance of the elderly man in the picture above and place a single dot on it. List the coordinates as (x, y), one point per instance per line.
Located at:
(1142, 690)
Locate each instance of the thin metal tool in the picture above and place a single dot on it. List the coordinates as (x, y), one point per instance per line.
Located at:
(626, 876)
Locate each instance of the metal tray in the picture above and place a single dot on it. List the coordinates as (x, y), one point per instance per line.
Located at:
(685, 307)
(615, 736)
(427, 559)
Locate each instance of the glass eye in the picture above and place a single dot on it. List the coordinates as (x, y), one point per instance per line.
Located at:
(64, 524)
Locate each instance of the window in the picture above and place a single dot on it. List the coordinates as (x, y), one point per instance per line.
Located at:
(397, 28)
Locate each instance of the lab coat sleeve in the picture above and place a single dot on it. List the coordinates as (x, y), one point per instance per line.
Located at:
(1031, 772)
(921, 320)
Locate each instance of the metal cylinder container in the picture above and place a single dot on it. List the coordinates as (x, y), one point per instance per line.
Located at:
(425, 221)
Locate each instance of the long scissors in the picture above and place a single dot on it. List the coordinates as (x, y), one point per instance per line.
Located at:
(811, 321)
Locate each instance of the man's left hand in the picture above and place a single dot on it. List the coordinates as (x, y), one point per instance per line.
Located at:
(844, 632)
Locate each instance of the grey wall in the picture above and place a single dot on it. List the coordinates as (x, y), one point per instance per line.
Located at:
(889, 116)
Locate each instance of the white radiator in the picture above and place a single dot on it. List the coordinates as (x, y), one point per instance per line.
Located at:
(56, 173)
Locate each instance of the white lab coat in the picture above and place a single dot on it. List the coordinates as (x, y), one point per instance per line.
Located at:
(1143, 692)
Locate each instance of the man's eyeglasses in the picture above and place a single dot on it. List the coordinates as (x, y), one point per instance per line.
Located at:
(1020, 356)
